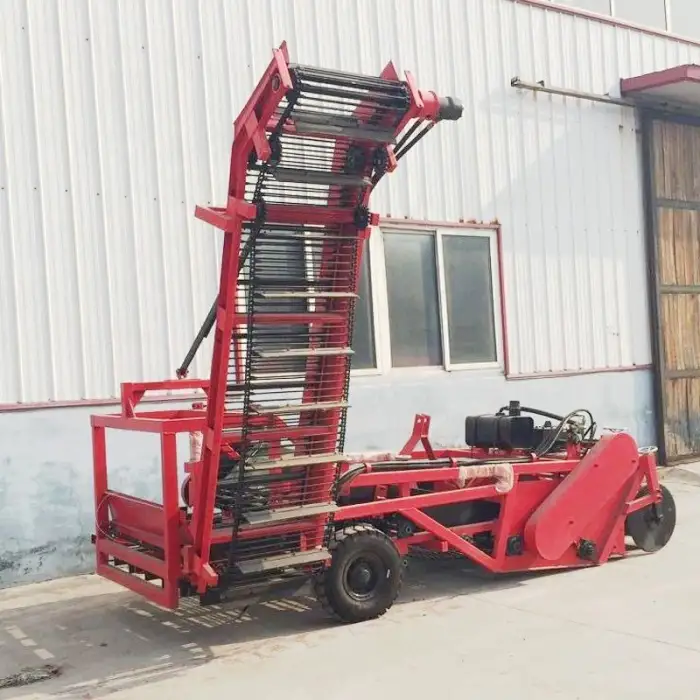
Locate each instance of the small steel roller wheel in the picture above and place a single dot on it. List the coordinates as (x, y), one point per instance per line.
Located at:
(185, 490)
(364, 577)
(651, 528)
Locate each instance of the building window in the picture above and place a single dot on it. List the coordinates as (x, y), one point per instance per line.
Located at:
(647, 13)
(270, 252)
(363, 342)
(684, 18)
(602, 7)
(412, 291)
(301, 261)
(441, 297)
(469, 299)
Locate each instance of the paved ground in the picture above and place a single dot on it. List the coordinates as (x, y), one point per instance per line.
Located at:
(630, 629)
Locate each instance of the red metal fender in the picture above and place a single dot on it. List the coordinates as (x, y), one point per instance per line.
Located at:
(592, 485)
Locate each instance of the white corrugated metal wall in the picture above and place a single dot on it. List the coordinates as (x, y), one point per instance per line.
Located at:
(116, 120)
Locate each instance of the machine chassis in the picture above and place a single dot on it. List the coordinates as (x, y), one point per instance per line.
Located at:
(536, 513)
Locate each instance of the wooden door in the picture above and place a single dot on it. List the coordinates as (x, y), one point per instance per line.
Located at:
(674, 164)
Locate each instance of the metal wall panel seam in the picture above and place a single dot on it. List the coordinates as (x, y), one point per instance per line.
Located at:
(515, 266)
(11, 367)
(149, 222)
(138, 342)
(114, 178)
(207, 174)
(108, 272)
(86, 185)
(23, 165)
(45, 175)
(219, 95)
(565, 217)
(154, 27)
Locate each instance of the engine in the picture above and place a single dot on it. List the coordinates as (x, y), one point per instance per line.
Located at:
(511, 429)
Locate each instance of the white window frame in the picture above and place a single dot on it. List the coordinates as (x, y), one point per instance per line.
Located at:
(667, 15)
(380, 299)
(492, 236)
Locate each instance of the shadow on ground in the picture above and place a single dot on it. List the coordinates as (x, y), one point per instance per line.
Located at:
(118, 641)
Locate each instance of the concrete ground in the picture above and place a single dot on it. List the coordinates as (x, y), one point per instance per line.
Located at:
(630, 629)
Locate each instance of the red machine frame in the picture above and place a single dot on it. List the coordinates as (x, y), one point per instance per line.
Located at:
(567, 508)
(555, 502)
(552, 501)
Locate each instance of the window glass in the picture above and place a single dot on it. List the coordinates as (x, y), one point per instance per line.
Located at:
(279, 263)
(685, 18)
(648, 13)
(602, 7)
(469, 298)
(414, 318)
(363, 332)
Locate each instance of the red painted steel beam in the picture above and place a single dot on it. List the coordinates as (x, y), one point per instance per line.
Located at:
(146, 589)
(296, 214)
(145, 423)
(561, 518)
(399, 505)
(451, 537)
(222, 535)
(317, 317)
(131, 556)
(126, 529)
(407, 476)
(461, 530)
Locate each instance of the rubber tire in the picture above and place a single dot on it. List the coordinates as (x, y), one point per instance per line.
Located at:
(638, 528)
(329, 587)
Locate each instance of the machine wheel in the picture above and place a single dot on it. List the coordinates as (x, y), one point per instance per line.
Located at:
(649, 532)
(364, 577)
